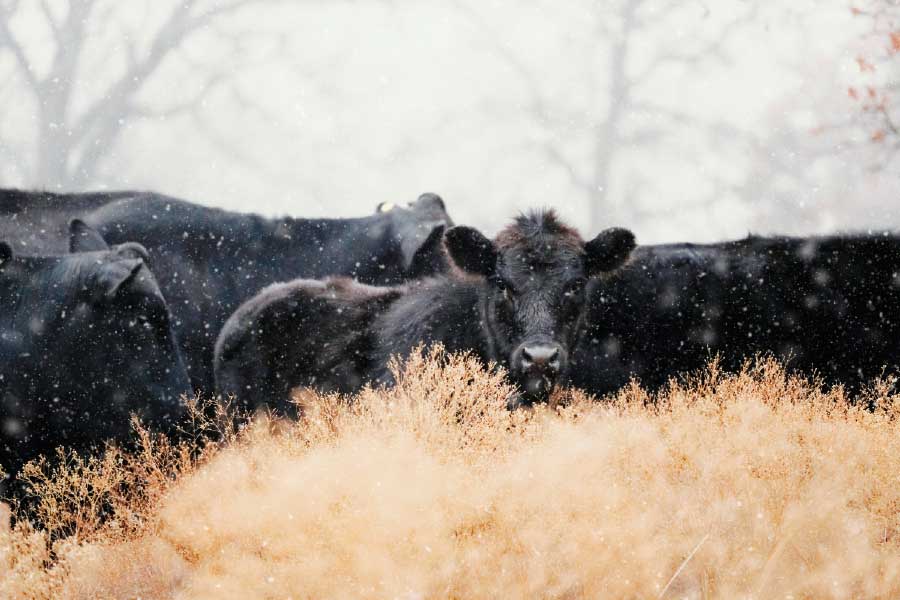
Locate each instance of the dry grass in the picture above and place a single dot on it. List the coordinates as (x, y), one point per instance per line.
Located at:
(744, 485)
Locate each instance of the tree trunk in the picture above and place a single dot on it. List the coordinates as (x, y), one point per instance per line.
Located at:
(54, 146)
(602, 212)
(56, 142)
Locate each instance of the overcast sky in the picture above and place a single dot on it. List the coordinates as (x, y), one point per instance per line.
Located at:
(328, 108)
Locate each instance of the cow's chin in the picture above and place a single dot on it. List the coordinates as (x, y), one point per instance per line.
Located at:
(534, 389)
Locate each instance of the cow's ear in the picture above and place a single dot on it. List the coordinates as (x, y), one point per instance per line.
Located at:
(471, 251)
(116, 275)
(6, 254)
(608, 251)
(430, 201)
(426, 257)
(84, 238)
(132, 250)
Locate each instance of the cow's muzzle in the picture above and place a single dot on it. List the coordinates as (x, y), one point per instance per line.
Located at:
(536, 367)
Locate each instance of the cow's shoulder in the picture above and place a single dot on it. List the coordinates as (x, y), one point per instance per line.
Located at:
(445, 309)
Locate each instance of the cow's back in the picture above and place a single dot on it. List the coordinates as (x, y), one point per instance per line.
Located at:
(208, 261)
(657, 316)
(825, 305)
(831, 305)
(303, 333)
(207, 258)
(37, 222)
(211, 260)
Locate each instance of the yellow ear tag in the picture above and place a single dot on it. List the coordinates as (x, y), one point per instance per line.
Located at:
(386, 207)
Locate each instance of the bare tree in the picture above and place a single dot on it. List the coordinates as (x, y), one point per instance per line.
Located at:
(831, 144)
(618, 115)
(877, 89)
(71, 139)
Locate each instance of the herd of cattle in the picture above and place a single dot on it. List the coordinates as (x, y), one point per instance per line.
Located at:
(113, 304)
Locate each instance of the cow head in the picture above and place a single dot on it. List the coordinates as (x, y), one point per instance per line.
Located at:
(124, 304)
(94, 332)
(417, 228)
(535, 273)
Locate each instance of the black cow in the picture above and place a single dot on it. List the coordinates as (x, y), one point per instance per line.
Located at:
(303, 333)
(208, 261)
(517, 301)
(826, 305)
(37, 222)
(85, 341)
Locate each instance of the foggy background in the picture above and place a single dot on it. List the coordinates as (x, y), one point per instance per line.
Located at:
(685, 120)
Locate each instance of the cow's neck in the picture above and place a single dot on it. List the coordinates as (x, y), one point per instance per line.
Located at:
(325, 230)
(487, 329)
(44, 282)
(335, 246)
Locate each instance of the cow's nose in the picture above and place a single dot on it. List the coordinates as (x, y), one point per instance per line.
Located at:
(543, 357)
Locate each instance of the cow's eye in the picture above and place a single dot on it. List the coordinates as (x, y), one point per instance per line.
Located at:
(574, 291)
(507, 291)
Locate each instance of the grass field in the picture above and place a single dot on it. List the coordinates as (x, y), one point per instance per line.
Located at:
(730, 486)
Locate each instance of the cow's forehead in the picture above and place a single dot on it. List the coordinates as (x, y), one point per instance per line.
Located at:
(546, 253)
(541, 265)
(540, 242)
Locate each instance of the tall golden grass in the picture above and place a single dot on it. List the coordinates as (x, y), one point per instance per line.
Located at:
(752, 484)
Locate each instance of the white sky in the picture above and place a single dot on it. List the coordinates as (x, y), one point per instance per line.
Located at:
(379, 101)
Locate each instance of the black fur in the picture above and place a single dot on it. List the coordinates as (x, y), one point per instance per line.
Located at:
(208, 261)
(528, 285)
(302, 333)
(85, 341)
(37, 222)
(827, 305)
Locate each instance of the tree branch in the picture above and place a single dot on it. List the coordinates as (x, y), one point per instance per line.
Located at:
(9, 41)
(177, 27)
(50, 18)
(554, 154)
